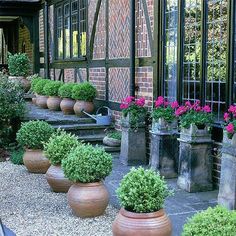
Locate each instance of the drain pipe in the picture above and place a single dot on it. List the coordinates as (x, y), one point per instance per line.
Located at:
(46, 44)
(132, 47)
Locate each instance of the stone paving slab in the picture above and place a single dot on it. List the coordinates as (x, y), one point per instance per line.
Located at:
(179, 207)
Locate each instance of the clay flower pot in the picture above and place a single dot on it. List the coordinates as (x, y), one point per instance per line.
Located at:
(53, 103)
(67, 106)
(57, 180)
(141, 224)
(22, 81)
(42, 101)
(83, 105)
(34, 100)
(111, 142)
(35, 161)
(88, 200)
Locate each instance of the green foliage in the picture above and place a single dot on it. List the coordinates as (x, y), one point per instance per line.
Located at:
(39, 86)
(114, 134)
(166, 113)
(18, 64)
(12, 109)
(65, 91)
(59, 146)
(84, 91)
(17, 156)
(34, 81)
(216, 221)
(33, 134)
(51, 88)
(87, 164)
(200, 119)
(142, 191)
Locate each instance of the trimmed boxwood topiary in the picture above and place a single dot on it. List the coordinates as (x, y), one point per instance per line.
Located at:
(142, 191)
(65, 91)
(51, 88)
(39, 86)
(84, 92)
(33, 134)
(59, 146)
(34, 82)
(87, 164)
(211, 222)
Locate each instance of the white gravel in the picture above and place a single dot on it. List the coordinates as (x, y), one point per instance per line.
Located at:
(29, 208)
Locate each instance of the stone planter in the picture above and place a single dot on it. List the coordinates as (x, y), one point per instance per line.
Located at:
(42, 101)
(163, 126)
(88, 200)
(133, 142)
(22, 81)
(53, 103)
(67, 106)
(83, 106)
(35, 161)
(142, 224)
(195, 162)
(227, 189)
(57, 180)
(111, 142)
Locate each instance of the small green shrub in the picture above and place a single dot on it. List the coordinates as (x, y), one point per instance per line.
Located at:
(167, 113)
(18, 64)
(114, 134)
(34, 81)
(59, 146)
(39, 86)
(33, 134)
(52, 87)
(216, 221)
(65, 91)
(16, 156)
(142, 191)
(84, 91)
(87, 164)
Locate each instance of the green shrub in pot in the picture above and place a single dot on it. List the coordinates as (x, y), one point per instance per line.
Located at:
(39, 87)
(34, 81)
(65, 91)
(215, 221)
(84, 92)
(51, 88)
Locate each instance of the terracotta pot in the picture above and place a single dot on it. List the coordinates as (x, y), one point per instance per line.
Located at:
(88, 200)
(83, 105)
(35, 161)
(67, 106)
(53, 103)
(22, 81)
(57, 180)
(34, 100)
(141, 224)
(42, 101)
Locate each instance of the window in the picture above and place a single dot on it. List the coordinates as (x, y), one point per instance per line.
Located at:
(71, 30)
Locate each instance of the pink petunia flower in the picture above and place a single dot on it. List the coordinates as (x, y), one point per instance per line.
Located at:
(174, 104)
(197, 108)
(140, 102)
(180, 111)
(123, 106)
(129, 99)
(230, 128)
(206, 109)
(226, 116)
(188, 104)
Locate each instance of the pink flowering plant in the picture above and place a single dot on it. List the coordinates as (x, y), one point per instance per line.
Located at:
(164, 109)
(194, 113)
(230, 121)
(134, 108)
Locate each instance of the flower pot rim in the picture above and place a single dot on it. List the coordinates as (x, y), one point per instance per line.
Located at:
(33, 150)
(83, 101)
(71, 99)
(93, 184)
(113, 139)
(54, 97)
(136, 215)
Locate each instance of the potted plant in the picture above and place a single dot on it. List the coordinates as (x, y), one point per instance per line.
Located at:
(133, 140)
(226, 196)
(112, 138)
(19, 66)
(51, 90)
(142, 195)
(215, 221)
(56, 149)
(84, 95)
(67, 103)
(31, 136)
(87, 166)
(39, 90)
(34, 81)
(195, 164)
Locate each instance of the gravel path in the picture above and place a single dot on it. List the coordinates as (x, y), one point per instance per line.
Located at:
(29, 208)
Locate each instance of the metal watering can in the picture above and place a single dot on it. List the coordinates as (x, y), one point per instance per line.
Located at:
(99, 118)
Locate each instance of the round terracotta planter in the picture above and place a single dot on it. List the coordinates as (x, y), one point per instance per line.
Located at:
(34, 100)
(83, 105)
(53, 103)
(67, 106)
(22, 81)
(42, 101)
(57, 180)
(88, 200)
(141, 224)
(35, 161)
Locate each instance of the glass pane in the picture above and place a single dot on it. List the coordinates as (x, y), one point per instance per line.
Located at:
(192, 50)
(67, 30)
(82, 23)
(74, 18)
(59, 33)
(170, 49)
(216, 55)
